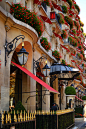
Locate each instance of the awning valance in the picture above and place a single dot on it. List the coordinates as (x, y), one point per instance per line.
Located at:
(65, 48)
(35, 78)
(79, 98)
(57, 35)
(66, 23)
(37, 2)
(57, 7)
(46, 19)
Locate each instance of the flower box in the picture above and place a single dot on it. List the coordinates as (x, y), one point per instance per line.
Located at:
(56, 54)
(64, 34)
(28, 17)
(45, 44)
(69, 21)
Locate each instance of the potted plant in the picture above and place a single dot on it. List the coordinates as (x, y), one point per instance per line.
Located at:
(69, 21)
(56, 54)
(77, 24)
(82, 51)
(64, 9)
(77, 7)
(80, 56)
(82, 29)
(70, 93)
(69, 2)
(47, 2)
(28, 17)
(74, 31)
(63, 62)
(64, 34)
(84, 99)
(45, 44)
(73, 41)
(80, 47)
(60, 18)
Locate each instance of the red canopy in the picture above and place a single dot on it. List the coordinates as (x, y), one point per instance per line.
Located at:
(73, 54)
(57, 7)
(37, 2)
(64, 0)
(71, 12)
(35, 78)
(65, 47)
(73, 61)
(66, 23)
(57, 35)
(79, 98)
(79, 68)
(40, 74)
(46, 19)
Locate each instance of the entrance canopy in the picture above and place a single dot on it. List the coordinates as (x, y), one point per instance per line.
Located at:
(64, 72)
(35, 78)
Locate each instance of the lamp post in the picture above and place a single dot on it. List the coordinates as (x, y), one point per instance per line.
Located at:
(9, 47)
(46, 70)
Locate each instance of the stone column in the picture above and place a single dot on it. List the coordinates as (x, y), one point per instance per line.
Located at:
(46, 97)
(56, 99)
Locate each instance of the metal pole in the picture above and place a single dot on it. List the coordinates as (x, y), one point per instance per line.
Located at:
(60, 96)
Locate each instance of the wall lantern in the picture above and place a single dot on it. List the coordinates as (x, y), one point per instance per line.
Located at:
(46, 70)
(9, 47)
(22, 55)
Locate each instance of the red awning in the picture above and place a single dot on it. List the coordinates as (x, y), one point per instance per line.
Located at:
(71, 32)
(73, 61)
(73, 54)
(35, 78)
(64, 0)
(79, 98)
(66, 23)
(46, 19)
(79, 68)
(37, 2)
(40, 74)
(57, 35)
(71, 12)
(57, 7)
(65, 48)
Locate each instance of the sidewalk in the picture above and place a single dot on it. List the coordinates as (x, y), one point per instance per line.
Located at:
(79, 123)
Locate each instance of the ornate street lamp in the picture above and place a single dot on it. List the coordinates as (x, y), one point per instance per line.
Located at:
(46, 70)
(22, 55)
(9, 47)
